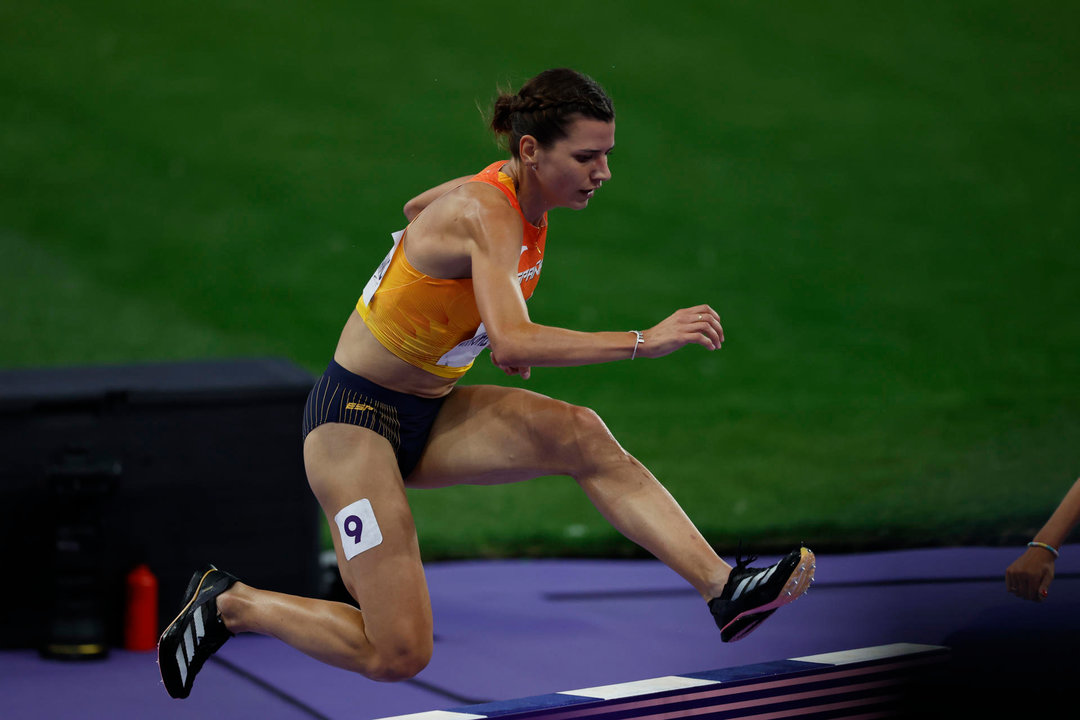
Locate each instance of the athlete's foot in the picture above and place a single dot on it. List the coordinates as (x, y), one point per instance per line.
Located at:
(196, 633)
(751, 595)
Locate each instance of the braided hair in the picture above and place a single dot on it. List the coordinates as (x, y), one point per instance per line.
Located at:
(544, 105)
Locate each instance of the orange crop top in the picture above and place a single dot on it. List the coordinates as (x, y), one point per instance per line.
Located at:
(433, 323)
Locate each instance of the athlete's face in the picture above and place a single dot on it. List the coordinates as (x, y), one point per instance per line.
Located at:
(574, 167)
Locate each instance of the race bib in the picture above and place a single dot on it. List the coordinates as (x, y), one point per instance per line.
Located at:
(376, 279)
(462, 354)
(358, 528)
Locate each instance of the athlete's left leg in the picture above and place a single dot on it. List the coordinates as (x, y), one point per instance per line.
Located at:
(487, 435)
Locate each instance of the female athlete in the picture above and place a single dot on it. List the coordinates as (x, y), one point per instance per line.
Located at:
(389, 414)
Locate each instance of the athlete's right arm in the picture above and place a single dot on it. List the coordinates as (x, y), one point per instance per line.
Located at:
(421, 201)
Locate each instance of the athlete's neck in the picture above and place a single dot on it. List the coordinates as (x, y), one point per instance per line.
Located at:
(530, 195)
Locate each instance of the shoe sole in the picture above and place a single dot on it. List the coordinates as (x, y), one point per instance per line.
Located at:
(179, 631)
(802, 576)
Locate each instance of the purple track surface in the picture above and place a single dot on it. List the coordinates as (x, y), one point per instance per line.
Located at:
(509, 629)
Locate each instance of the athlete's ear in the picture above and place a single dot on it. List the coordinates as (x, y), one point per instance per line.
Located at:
(527, 150)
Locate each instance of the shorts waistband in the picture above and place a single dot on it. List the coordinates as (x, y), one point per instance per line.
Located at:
(336, 372)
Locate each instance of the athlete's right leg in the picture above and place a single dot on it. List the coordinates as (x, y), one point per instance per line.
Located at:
(489, 435)
(391, 637)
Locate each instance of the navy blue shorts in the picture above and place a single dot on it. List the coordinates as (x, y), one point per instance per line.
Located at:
(344, 397)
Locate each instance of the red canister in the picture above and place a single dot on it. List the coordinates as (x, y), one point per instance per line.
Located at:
(141, 611)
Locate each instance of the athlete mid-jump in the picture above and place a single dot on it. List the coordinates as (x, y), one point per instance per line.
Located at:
(389, 414)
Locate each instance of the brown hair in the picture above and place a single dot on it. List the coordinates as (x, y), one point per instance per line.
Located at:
(544, 105)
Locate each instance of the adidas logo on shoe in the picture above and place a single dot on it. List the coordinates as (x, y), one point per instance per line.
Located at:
(751, 595)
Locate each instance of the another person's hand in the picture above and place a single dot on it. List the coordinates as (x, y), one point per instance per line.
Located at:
(1030, 574)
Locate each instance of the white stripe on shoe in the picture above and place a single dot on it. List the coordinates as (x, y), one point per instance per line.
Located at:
(200, 629)
(181, 662)
(189, 642)
(739, 590)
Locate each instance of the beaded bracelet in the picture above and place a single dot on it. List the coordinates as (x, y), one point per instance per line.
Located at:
(1044, 546)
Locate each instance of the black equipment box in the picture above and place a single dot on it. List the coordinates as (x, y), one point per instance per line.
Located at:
(171, 464)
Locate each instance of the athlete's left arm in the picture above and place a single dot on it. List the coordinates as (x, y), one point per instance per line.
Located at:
(494, 232)
(421, 201)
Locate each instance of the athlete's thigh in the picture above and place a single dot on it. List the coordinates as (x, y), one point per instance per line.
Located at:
(486, 434)
(347, 465)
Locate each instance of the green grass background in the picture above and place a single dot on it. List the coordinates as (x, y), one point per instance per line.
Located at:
(881, 200)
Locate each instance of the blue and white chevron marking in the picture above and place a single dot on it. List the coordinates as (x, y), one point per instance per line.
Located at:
(865, 682)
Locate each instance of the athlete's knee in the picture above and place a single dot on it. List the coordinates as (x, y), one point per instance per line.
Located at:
(401, 661)
(587, 442)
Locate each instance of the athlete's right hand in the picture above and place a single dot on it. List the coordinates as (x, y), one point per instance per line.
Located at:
(699, 325)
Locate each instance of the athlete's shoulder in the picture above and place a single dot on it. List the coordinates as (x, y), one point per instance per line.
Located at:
(477, 204)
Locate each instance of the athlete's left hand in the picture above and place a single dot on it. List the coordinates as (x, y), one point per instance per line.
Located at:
(524, 372)
(698, 325)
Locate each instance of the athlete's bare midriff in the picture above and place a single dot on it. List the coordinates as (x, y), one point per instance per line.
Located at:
(359, 352)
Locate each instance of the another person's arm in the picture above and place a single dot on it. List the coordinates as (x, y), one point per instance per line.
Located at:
(1030, 575)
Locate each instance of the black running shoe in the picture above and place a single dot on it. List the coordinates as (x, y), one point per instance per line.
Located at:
(196, 633)
(751, 595)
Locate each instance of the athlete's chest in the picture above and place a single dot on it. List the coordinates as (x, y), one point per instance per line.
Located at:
(531, 262)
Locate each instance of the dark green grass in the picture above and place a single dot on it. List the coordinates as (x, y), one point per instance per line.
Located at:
(880, 200)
